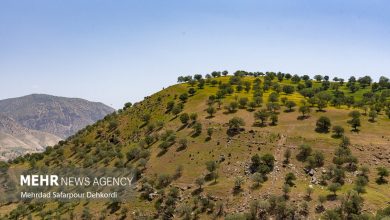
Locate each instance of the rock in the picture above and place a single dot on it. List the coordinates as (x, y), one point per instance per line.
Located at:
(314, 180)
(221, 158)
(153, 195)
(312, 172)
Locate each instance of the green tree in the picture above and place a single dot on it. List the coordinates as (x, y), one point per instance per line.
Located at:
(238, 183)
(232, 107)
(323, 124)
(289, 179)
(257, 179)
(252, 105)
(316, 159)
(309, 191)
(287, 156)
(321, 104)
(247, 86)
(331, 214)
(127, 105)
(318, 78)
(338, 131)
(382, 173)
(274, 119)
(193, 117)
(199, 181)
(269, 161)
(170, 106)
(334, 187)
(184, 118)
(183, 97)
(146, 118)
(210, 132)
(197, 128)
(243, 102)
(373, 114)
(177, 109)
(360, 184)
(290, 105)
(288, 89)
(211, 111)
(354, 114)
(183, 143)
(191, 91)
(211, 166)
(235, 124)
(305, 110)
(286, 189)
(355, 123)
(258, 100)
(352, 204)
(273, 97)
(304, 152)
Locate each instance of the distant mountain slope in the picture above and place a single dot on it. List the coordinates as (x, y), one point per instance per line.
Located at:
(56, 115)
(16, 139)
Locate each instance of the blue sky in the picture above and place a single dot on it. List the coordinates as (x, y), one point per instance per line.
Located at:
(119, 51)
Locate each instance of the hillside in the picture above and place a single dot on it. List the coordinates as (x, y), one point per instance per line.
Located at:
(248, 146)
(52, 114)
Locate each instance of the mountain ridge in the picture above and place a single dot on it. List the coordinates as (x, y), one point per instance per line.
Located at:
(32, 122)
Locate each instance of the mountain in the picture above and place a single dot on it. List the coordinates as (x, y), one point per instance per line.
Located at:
(32, 122)
(16, 139)
(234, 147)
(56, 115)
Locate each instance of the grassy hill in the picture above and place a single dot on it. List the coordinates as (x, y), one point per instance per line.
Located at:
(193, 147)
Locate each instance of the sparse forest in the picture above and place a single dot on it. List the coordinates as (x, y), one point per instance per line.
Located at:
(247, 145)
